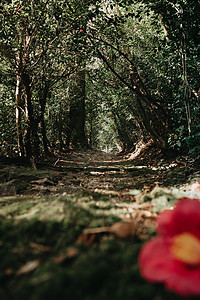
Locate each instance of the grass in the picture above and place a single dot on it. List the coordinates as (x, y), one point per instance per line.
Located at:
(44, 230)
(105, 269)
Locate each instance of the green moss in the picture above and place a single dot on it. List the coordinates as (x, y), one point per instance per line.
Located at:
(106, 269)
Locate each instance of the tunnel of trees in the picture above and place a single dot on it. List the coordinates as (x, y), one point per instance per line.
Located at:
(100, 74)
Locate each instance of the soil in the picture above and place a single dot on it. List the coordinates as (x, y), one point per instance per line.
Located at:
(72, 225)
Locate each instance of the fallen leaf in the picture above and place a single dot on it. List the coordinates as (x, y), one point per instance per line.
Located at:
(120, 229)
(71, 253)
(123, 229)
(40, 247)
(87, 239)
(28, 267)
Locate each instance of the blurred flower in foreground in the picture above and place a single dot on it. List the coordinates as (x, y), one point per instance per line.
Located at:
(173, 257)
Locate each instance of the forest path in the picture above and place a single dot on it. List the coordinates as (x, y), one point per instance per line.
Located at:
(100, 183)
(96, 172)
(80, 219)
(114, 173)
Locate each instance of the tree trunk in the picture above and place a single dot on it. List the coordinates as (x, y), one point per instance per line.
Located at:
(124, 133)
(44, 135)
(28, 111)
(43, 100)
(18, 117)
(160, 138)
(31, 128)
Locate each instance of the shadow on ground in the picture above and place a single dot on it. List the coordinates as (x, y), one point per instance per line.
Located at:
(44, 212)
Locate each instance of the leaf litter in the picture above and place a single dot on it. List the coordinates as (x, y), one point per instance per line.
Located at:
(84, 217)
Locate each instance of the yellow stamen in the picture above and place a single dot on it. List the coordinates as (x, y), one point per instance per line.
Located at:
(186, 248)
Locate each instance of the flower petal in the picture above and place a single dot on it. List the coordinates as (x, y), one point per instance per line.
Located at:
(187, 216)
(184, 281)
(184, 218)
(155, 260)
(165, 224)
(158, 265)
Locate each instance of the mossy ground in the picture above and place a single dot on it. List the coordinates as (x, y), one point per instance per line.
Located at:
(107, 269)
(41, 227)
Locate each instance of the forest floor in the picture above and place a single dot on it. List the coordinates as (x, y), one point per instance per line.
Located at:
(72, 227)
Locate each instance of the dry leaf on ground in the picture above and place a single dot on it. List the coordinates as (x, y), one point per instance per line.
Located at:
(87, 238)
(122, 230)
(28, 267)
(40, 247)
(71, 253)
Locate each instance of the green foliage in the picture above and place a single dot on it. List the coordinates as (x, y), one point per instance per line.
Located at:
(181, 24)
(106, 268)
(7, 123)
(130, 50)
(158, 43)
(100, 125)
(41, 42)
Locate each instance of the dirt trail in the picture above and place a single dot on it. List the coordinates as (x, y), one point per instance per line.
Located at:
(99, 171)
(80, 216)
(125, 185)
(101, 183)
(92, 171)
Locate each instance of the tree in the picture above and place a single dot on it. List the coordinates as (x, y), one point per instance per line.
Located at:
(135, 62)
(152, 71)
(181, 22)
(37, 40)
(151, 109)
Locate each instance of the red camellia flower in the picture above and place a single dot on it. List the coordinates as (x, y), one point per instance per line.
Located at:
(173, 257)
